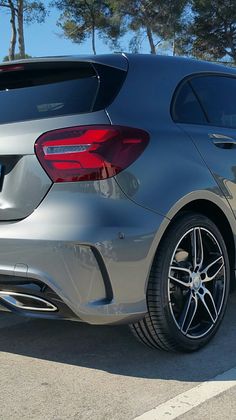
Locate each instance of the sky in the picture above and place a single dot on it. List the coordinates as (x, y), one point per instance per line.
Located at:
(45, 40)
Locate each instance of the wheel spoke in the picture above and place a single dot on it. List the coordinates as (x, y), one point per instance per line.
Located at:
(176, 280)
(179, 281)
(217, 271)
(194, 247)
(186, 270)
(212, 312)
(197, 248)
(188, 313)
(201, 253)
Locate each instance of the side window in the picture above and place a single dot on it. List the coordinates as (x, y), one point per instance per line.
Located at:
(217, 95)
(186, 108)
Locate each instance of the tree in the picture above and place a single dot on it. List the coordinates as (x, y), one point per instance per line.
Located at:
(157, 20)
(82, 19)
(28, 11)
(22, 11)
(211, 33)
(9, 4)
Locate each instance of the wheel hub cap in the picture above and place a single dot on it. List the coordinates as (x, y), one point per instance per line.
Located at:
(196, 281)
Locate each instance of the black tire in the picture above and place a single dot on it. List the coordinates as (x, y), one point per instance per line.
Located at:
(172, 306)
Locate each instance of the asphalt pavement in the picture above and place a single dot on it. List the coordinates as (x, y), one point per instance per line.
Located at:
(66, 370)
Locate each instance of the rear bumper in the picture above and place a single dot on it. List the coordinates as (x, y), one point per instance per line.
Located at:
(91, 245)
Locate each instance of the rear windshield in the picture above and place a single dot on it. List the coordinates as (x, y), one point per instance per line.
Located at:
(43, 90)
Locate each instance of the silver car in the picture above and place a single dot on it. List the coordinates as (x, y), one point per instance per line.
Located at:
(118, 193)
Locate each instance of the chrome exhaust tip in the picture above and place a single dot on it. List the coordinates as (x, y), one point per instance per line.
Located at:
(27, 302)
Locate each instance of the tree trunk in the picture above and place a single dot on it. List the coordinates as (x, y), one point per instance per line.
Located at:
(20, 28)
(13, 31)
(233, 51)
(174, 45)
(150, 39)
(93, 40)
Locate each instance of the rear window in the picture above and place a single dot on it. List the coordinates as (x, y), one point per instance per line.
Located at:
(44, 90)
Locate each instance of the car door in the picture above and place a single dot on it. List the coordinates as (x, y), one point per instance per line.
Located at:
(205, 107)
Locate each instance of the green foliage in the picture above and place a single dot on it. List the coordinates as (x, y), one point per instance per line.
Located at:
(82, 19)
(17, 57)
(34, 11)
(211, 31)
(155, 19)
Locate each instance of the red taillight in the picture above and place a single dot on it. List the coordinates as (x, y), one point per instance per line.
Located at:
(89, 153)
(11, 67)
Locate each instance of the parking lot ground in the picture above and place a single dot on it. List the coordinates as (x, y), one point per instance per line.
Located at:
(221, 407)
(65, 370)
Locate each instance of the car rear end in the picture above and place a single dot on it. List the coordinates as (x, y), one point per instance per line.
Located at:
(69, 236)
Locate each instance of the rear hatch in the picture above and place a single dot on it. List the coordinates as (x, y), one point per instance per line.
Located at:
(39, 96)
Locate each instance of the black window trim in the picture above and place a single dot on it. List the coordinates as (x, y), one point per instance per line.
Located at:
(187, 79)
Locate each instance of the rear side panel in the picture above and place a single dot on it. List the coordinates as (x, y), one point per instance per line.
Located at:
(170, 172)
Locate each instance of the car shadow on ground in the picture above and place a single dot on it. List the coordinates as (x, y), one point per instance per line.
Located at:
(113, 349)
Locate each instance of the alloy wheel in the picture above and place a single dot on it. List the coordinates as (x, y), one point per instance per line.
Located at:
(196, 282)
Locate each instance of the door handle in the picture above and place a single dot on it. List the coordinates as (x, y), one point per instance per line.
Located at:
(223, 141)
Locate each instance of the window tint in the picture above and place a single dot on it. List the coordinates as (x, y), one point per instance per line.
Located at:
(186, 108)
(217, 95)
(35, 92)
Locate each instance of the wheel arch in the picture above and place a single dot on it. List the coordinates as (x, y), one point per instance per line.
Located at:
(223, 219)
(217, 216)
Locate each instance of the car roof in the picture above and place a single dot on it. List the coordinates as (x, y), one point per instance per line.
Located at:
(119, 60)
(190, 65)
